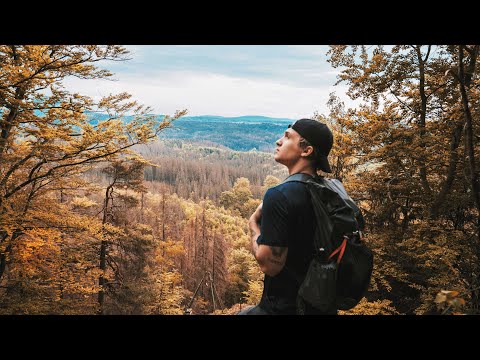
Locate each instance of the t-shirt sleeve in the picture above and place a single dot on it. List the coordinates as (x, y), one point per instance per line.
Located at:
(274, 226)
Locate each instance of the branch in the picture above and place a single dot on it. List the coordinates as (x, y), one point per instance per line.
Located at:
(49, 172)
(15, 167)
(435, 90)
(400, 101)
(48, 66)
(428, 53)
(29, 199)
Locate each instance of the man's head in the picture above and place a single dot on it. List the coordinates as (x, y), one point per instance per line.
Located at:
(305, 140)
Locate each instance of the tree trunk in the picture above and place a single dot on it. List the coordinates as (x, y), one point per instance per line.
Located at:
(141, 209)
(8, 249)
(101, 279)
(423, 115)
(7, 124)
(103, 253)
(195, 241)
(464, 79)
(163, 216)
(204, 245)
(469, 131)
(452, 167)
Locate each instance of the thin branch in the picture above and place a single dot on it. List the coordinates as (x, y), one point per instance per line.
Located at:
(400, 101)
(15, 167)
(428, 53)
(49, 172)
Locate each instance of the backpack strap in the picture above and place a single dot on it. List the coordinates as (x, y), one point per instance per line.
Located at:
(334, 210)
(306, 179)
(299, 177)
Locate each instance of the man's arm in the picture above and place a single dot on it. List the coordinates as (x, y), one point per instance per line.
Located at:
(254, 225)
(271, 259)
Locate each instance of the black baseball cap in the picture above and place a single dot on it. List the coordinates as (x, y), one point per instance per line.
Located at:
(319, 135)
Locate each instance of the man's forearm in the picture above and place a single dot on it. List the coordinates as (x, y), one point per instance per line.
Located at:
(254, 225)
(255, 233)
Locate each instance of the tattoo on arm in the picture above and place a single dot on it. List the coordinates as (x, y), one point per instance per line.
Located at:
(277, 251)
(274, 260)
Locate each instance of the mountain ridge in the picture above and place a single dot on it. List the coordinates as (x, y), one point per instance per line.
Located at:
(240, 133)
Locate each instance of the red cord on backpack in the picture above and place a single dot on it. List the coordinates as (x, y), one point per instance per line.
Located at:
(340, 249)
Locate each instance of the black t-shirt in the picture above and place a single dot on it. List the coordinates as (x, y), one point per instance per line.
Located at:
(287, 221)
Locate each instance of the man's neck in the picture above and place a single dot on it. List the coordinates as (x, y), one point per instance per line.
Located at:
(302, 168)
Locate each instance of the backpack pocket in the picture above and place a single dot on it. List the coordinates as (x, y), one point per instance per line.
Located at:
(320, 285)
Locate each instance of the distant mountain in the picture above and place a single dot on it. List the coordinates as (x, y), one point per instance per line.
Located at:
(242, 133)
(238, 119)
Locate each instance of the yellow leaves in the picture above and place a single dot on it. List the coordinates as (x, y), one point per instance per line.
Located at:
(240, 198)
(36, 253)
(449, 302)
(83, 202)
(270, 181)
(51, 141)
(139, 159)
(445, 295)
(168, 294)
(171, 248)
(378, 307)
(58, 138)
(254, 292)
(111, 231)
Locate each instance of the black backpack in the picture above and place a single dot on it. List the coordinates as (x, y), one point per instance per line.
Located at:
(339, 273)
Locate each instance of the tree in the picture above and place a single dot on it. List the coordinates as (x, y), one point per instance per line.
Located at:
(270, 181)
(123, 175)
(466, 72)
(414, 152)
(240, 198)
(50, 136)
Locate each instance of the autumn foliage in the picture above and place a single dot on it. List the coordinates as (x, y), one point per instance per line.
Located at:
(415, 151)
(47, 143)
(99, 217)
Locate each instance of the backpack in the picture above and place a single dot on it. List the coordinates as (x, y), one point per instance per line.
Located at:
(340, 271)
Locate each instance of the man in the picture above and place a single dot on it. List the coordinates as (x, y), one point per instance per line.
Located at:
(284, 223)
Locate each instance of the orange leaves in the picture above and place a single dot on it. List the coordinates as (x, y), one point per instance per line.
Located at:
(170, 249)
(57, 139)
(82, 202)
(449, 302)
(36, 253)
(378, 307)
(47, 142)
(240, 198)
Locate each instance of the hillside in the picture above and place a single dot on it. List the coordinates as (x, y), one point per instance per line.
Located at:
(241, 133)
(237, 133)
(206, 169)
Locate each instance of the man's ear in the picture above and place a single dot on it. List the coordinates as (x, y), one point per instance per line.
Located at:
(307, 151)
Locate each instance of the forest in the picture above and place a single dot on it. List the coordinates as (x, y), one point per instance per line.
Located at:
(229, 131)
(117, 217)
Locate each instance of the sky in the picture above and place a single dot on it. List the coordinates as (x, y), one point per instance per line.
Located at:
(226, 80)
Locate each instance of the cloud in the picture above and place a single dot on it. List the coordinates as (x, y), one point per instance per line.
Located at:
(296, 65)
(230, 80)
(212, 94)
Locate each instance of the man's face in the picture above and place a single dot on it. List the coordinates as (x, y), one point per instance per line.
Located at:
(288, 148)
